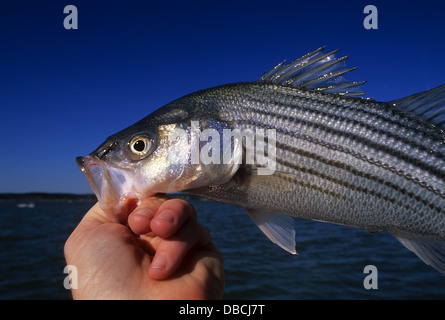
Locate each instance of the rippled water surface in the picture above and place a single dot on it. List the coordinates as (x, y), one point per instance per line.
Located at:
(329, 265)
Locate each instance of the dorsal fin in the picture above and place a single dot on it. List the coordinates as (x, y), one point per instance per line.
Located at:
(429, 105)
(315, 71)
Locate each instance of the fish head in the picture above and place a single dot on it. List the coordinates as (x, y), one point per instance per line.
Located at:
(155, 155)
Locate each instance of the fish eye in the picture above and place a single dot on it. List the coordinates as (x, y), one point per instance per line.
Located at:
(140, 145)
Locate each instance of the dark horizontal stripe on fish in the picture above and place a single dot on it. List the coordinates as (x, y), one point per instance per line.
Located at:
(349, 117)
(344, 119)
(394, 152)
(330, 101)
(366, 107)
(305, 184)
(351, 186)
(347, 151)
(354, 171)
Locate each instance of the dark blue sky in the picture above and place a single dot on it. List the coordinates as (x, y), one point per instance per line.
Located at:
(62, 92)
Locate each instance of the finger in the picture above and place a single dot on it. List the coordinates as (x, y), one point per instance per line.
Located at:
(204, 242)
(171, 216)
(95, 216)
(171, 251)
(139, 220)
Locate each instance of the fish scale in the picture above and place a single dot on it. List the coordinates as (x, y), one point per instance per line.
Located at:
(409, 149)
(339, 158)
(390, 160)
(368, 164)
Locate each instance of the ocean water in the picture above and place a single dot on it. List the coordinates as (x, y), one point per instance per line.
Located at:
(329, 265)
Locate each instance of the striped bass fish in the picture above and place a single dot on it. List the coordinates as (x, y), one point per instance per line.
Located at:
(300, 142)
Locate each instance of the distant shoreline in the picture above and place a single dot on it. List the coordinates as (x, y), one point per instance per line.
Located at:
(45, 197)
(58, 197)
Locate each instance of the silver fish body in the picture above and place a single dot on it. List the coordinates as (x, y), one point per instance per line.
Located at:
(337, 158)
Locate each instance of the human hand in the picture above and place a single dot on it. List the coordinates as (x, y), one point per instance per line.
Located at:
(163, 253)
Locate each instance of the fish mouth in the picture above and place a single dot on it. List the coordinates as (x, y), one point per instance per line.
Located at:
(113, 187)
(93, 172)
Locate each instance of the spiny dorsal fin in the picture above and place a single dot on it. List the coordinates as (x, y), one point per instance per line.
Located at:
(316, 71)
(429, 105)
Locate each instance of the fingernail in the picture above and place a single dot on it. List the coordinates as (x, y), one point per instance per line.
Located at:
(159, 261)
(166, 215)
(144, 212)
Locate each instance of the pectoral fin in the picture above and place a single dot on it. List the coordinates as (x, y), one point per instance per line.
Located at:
(277, 227)
(429, 251)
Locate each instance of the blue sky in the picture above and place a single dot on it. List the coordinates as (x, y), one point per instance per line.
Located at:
(63, 92)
